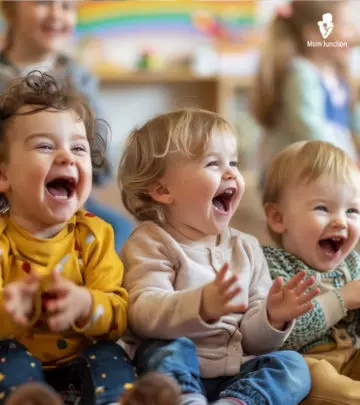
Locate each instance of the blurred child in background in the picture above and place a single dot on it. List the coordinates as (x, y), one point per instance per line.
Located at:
(302, 89)
(37, 34)
(312, 204)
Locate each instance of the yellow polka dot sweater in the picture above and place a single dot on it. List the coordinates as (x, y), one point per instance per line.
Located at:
(82, 252)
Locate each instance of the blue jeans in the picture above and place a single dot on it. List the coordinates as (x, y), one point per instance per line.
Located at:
(122, 226)
(276, 378)
(98, 375)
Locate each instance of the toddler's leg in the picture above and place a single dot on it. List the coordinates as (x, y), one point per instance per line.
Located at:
(329, 387)
(271, 379)
(17, 367)
(177, 359)
(109, 370)
(34, 394)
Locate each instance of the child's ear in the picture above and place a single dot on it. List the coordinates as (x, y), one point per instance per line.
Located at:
(159, 192)
(4, 183)
(274, 217)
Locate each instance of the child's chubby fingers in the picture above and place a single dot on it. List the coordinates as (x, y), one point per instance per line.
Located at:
(301, 310)
(20, 318)
(229, 295)
(57, 305)
(58, 286)
(59, 322)
(276, 286)
(9, 292)
(304, 285)
(10, 306)
(14, 310)
(225, 285)
(294, 281)
(30, 288)
(305, 298)
(220, 275)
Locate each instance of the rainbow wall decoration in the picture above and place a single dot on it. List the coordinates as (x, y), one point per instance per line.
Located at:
(113, 18)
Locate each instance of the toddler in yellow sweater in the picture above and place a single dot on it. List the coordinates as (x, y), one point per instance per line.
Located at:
(62, 303)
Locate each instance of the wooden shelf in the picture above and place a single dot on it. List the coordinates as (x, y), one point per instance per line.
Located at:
(110, 78)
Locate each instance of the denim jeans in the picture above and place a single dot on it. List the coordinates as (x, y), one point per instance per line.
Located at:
(121, 225)
(273, 379)
(98, 375)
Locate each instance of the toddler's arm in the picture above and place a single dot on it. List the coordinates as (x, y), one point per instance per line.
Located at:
(156, 310)
(259, 336)
(103, 276)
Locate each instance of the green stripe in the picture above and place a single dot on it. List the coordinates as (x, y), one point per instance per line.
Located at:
(143, 18)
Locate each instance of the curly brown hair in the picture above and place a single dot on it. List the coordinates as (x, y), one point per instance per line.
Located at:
(42, 92)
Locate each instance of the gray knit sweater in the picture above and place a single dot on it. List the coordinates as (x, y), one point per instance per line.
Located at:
(329, 315)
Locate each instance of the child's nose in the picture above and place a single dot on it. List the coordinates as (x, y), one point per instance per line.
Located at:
(229, 174)
(65, 157)
(339, 222)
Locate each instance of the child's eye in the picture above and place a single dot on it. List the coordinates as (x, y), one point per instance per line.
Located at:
(352, 211)
(79, 148)
(321, 208)
(45, 147)
(212, 163)
(234, 163)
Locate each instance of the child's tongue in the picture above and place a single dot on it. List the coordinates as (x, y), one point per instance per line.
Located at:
(330, 247)
(58, 191)
(219, 204)
(327, 246)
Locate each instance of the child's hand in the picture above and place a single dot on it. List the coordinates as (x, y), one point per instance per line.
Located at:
(19, 298)
(71, 305)
(217, 296)
(288, 302)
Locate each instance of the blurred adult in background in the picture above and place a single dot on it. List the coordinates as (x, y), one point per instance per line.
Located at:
(37, 34)
(302, 89)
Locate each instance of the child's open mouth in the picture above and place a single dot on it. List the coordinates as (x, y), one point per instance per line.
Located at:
(331, 246)
(61, 188)
(222, 201)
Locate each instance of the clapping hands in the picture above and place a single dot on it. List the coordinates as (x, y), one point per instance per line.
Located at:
(285, 302)
(65, 302)
(289, 301)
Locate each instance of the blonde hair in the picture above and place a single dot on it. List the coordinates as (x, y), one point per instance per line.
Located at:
(305, 161)
(186, 132)
(285, 40)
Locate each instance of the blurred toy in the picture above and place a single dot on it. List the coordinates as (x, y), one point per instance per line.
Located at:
(208, 24)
